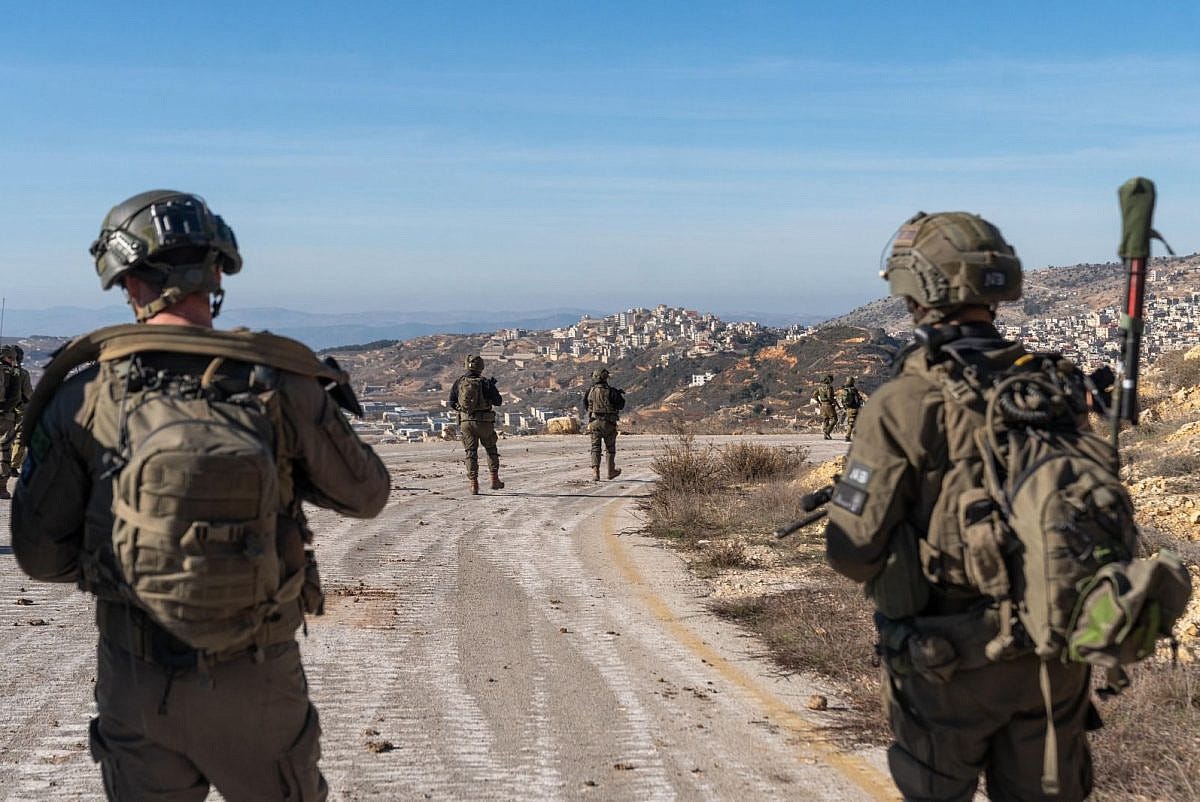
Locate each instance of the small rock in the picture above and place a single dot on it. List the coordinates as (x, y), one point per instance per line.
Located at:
(624, 766)
(380, 746)
(24, 602)
(818, 702)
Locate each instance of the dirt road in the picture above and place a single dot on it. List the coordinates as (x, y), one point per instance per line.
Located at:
(523, 644)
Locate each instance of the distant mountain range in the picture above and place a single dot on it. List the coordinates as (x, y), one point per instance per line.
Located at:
(317, 330)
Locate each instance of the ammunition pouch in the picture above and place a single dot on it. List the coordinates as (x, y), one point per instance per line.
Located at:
(939, 646)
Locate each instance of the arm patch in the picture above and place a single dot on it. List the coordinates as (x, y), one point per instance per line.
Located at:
(850, 499)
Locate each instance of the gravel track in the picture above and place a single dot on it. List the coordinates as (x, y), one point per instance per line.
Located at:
(523, 644)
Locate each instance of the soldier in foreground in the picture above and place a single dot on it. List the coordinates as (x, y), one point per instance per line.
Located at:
(850, 400)
(824, 396)
(603, 404)
(167, 479)
(473, 397)
(15, 391)
(961, 689)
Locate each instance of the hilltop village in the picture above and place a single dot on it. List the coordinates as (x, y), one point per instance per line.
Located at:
(1067, 312)
(1172, 322)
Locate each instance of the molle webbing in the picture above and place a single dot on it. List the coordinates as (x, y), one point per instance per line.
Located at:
(116, 342)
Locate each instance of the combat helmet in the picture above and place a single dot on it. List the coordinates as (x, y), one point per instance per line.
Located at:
(600, 375)
(474, 363)
(946, 260)
(828, 379)
(169, 239)
(849, 382)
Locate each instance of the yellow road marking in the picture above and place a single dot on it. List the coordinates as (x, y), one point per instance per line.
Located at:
(872, 782)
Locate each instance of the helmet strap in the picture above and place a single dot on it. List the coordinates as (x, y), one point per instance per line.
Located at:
(176, 287)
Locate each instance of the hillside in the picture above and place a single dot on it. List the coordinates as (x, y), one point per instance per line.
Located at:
(766, 383)
(1053, 292)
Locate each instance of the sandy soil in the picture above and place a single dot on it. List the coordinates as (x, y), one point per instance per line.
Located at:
(522, 644)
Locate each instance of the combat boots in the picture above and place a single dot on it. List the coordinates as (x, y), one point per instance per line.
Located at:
(595, 473)
(4, 494)
(474, 485)
(496, 483)
(613, 470)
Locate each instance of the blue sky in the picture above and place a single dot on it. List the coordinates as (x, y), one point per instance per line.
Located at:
(750, 156)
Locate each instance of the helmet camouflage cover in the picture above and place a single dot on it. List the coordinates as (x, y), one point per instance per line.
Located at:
(951, 259)
(849, 382)
(600, 375)
(172, 239)
(474, 362)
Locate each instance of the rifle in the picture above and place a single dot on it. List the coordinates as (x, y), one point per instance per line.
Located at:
(809, 502)
(1137, 197)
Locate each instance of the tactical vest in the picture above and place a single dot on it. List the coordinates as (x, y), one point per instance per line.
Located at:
(600, 402)
(10, 389)
(824, 394)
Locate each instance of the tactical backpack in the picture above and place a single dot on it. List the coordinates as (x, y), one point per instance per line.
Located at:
(604, 400)
(471, 396)
(195, 499)
(851, 398)
(1033, 515)
(196, 484)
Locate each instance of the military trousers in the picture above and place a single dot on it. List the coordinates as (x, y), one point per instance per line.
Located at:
(476, 433)
(604, 436)
(9, 430)
(829, 419)
(244, 726)
(851, 418)
(989, 721)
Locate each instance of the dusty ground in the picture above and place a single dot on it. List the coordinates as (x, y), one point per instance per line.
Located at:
(524, 644)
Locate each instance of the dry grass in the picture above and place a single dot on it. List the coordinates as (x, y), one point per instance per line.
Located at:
(754, 462)
(1149, 747)
(827, 631)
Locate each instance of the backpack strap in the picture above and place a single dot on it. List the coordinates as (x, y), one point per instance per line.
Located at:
(116, 342)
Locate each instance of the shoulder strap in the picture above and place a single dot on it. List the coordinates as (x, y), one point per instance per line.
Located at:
(116, 342)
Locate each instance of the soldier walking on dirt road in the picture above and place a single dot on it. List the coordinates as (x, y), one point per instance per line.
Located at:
(167, 479)
(824, 396)
(603, 404)
(473, 397)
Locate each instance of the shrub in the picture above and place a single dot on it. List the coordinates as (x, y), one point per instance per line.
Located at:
(754, 462)
(685, 467)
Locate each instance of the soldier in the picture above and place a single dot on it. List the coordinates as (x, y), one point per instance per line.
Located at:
(956, 709)
(825, 397)
(473, 397)
(850, 399)
(15, 392)
(192, 449)
(603, 405)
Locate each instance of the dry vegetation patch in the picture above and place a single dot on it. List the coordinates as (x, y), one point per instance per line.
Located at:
(721, 506)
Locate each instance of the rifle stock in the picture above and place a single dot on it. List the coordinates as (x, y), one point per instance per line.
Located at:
(809, 502)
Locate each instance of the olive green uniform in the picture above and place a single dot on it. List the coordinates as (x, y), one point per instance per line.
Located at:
(17, 391)
(602, 422)
(954, 714)
(828, 403)
(477, 427)
(850, 400)
(172, 721)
